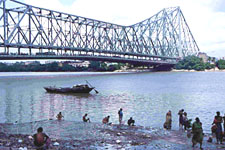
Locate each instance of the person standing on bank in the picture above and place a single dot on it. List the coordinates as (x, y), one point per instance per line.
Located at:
(218, 121)
(120, 113)
(185, 121)
(181, 120)
(168, 123)
(197, 133)
(224, 124)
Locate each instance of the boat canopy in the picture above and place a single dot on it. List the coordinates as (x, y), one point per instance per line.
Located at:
(80, 85)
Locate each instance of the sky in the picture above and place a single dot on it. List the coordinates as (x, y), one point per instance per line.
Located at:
(206, 18)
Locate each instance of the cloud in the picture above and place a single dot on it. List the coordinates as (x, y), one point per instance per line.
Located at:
(206, 18)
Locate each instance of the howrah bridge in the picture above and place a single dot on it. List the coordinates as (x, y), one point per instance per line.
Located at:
(29, 32)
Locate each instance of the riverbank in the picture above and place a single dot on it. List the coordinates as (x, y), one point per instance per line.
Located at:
(136, 70)
(206, 70)
(121, 71)
(78, 135)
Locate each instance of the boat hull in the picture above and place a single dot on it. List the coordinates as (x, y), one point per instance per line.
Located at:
(68, 90)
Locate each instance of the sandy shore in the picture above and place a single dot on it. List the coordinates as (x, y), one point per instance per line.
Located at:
(78, 135)
(207, 70)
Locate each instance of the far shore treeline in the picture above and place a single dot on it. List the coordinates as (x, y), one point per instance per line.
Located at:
(188, 63)
(36, 66)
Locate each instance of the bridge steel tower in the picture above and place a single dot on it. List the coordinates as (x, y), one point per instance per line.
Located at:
(29, 29)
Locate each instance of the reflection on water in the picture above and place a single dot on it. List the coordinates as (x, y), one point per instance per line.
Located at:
(144, 96)
(78, 95)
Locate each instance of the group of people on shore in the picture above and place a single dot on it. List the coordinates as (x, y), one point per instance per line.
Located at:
(196, 127)
(41, 139)
(183, 120)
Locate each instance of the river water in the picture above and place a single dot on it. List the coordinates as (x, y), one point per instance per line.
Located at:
(144, 96)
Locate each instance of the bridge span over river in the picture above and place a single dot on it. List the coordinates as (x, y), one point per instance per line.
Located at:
(29, 32)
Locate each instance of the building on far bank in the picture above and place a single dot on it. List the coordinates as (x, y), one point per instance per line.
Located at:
(111, 63)
(204, 56)
(80, 63)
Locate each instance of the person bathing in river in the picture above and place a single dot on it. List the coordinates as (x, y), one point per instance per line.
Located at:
(120, 113)
(168, 123)
(217, 121)
(85, 119)
(180, 113)
(131, 122)
(106, 120)
(185, 121)
(197, 133)
(59, 116)
(41, 140)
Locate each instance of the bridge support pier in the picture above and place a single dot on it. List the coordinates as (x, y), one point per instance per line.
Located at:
(30, 51)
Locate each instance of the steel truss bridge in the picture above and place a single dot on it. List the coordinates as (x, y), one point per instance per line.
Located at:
(29, 32)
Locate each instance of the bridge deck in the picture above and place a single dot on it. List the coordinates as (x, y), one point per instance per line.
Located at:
(89, 58)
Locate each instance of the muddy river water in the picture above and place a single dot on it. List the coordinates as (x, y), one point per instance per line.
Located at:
(144, 96)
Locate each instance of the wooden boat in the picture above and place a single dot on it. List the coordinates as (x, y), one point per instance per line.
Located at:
(80, 88)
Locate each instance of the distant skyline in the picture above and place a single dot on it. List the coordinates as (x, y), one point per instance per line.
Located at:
(206, 18)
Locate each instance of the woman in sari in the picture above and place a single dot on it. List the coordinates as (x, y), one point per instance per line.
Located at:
(197, 133)
(168, 123)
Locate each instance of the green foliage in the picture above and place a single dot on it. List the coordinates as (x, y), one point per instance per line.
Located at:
(3, 67)
(196, 63)
(94, 65)
(102, 66)
(37, 67)
(209, 66)
(220, 64)
(55, 67)
(191, 62)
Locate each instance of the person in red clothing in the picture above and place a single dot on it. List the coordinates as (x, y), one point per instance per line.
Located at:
(106, 120)
(85, 119)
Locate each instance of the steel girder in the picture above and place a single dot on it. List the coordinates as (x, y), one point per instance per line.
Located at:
(165, 34)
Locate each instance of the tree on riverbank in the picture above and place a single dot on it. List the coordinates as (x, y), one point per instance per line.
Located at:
(220, 64)
(58, 67)
(103, 66)
(193, 63)
(38, 67)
